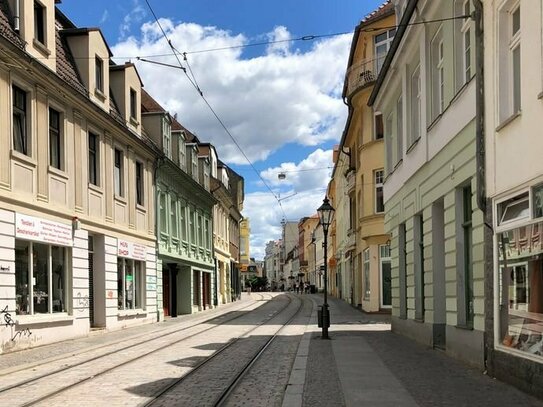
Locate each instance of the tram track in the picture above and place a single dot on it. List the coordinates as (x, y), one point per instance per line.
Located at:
(139, 356)
(161, 398)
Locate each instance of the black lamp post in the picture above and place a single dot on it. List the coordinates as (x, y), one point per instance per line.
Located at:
(326, 213)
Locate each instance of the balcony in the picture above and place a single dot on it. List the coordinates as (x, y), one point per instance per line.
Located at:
(351, 180)
(363, 73)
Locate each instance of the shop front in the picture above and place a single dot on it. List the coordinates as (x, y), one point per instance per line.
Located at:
(518, 287)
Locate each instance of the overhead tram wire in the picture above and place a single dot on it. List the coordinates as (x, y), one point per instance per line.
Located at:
(195, 85)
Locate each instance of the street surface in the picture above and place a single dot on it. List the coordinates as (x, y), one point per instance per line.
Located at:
(264, 350)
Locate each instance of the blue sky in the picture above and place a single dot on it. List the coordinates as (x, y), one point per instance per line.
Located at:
(282, 102)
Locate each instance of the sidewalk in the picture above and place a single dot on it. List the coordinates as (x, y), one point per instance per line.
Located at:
(365, 364)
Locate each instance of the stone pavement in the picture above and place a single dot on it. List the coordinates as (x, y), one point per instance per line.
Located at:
(365, 364)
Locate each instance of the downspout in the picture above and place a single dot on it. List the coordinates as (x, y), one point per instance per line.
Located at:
(17, 16)
(157, 164)
(480, 106)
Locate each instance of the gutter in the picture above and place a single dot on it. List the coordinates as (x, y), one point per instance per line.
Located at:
(480, 105)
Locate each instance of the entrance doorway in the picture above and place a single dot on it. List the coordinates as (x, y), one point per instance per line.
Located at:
(91, 281)
(166, 292)
(386, 276)
(438, 275)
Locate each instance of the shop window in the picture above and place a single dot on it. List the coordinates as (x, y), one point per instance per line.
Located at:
(521, 288)
(129, 284)
(402, 266)
(386, 275)
(514, 209)
(537, 201)
(41, 272)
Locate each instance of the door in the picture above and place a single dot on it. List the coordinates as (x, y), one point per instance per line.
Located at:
(386, 276)
(166, 292)
(91, 281)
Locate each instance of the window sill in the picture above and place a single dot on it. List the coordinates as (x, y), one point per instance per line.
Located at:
(508, 121)
(42, 48)
(99, 94)
(120, 199)
(59, 173)
(131, 313)
(464, 327)
(133, 121)
(412, 146)
(141, 208)
(95, 188)
(23, 320)
(23, 158)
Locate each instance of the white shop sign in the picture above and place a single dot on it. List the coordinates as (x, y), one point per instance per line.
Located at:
(42, 230)
(131, 250)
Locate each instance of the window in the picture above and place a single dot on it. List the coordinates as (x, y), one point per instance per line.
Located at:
(163, 214)
(438, 74)
(379, 201)
(207, 234)
(537, 201)
(41, 273)
(118, 173)
(382, 45)
(509, 61)
(94, 159)
(195, 163)
(466, 41)
(129, 284)
(20, 134)
(390, 145)
(39, 23)
(99, 74)
(515, 58)
(166, 137)
(133, 104)
(55, 140)
(464, 258)
(367, 287)
(402, 266)
(173, 216)
(139, 184)
(379, 129)
(514, 209)
(415, 106)
(386, 276)
(399, 129)
(200, 231)
(418, 242)
(182, 220)
(182, 151)
(192, 227)
(352, 212)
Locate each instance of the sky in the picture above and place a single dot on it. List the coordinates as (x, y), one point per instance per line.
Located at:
(281, 103)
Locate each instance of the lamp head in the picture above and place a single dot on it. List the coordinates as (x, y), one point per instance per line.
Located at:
(326, 213)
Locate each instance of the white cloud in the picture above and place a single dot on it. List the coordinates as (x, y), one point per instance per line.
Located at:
(284, 95)
(105, 17)
(311, 173)
(134, 16)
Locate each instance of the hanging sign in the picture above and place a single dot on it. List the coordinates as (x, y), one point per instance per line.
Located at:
(42, 230)
(131, 250)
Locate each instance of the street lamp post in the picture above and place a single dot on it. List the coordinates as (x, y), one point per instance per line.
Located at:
(326, 212)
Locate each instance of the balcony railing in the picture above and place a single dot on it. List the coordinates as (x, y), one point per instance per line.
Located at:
(363, 73)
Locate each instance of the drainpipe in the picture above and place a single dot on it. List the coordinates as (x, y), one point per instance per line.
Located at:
(480, 106)
(157, 164)
(16, 17)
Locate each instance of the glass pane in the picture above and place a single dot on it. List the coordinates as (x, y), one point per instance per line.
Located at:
(120, 286)
(58, 256)
(40, 254)
(515, 210)
(537, 201)
(387, 282)
(516, 79)
(138, 284)
(129, 284)
(516, 20)
(22, 304)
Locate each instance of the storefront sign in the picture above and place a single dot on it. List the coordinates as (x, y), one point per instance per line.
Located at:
(151, 283)
(42, 230)
(131, 250)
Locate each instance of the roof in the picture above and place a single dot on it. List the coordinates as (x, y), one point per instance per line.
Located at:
(149, 104)
(123, 67)
(6, 26)
(84, 31)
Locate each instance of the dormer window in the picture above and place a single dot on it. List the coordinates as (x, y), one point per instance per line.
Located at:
(167, 138)
(99, 72)
(182, 151)
(39, 22)
(133, 104)
(194, 164)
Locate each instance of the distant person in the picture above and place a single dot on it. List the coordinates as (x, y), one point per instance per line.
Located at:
(249, 289)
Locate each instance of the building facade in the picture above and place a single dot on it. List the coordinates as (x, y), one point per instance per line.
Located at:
(77, 247)
(426, 94)
(513, 89)
(363, 147)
